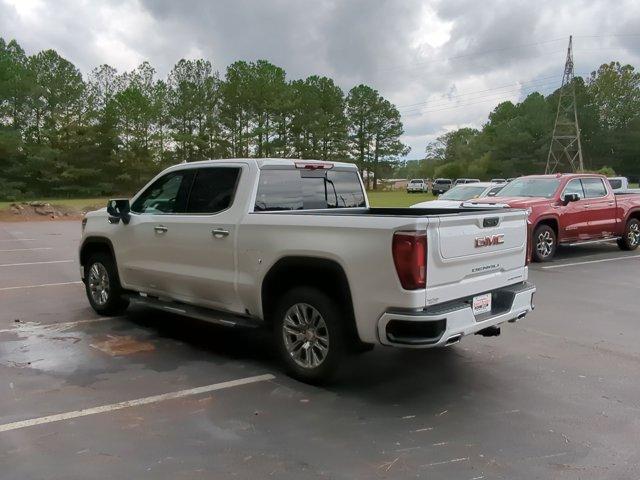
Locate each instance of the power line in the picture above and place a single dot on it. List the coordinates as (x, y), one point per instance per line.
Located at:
(513, 47)
(504, 98)
(480, 97)
(513, 88)
(474, 54)
(510, 85)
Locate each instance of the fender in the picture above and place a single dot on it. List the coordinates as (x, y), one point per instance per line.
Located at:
(96, 240)
(632, 212)
(542, 218)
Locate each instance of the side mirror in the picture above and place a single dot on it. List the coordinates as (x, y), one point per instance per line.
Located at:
(117, 209)
(570, 197)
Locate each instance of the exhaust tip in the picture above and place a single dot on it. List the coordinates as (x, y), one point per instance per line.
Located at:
(519, 317)
(452, 340)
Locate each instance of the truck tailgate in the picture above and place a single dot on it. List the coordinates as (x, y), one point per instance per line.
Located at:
(475, 253)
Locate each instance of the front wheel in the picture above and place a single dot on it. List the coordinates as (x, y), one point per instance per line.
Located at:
(544, 243)
(631, 238)
(309, 334)
(103, 286)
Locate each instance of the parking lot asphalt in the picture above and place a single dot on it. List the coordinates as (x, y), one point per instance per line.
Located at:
(152, 395)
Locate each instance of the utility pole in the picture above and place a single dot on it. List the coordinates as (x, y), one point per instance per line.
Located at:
(565, 149)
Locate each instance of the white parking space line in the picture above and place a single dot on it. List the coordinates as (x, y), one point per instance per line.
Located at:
(26, 249)
(30, 326)
(18, 240)
(550, 267)
(33, 263)
(38, 286)
(134, 403)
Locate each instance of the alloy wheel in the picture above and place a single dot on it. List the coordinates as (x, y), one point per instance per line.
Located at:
(98, 280)
(544, 245)
(633, 235)
(306, 336)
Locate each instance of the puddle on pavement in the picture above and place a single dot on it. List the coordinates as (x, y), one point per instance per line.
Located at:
(116, 345)
(63, 348)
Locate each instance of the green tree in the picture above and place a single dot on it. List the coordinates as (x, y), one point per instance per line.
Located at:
(374, 132)
(318, 122)
(193, 110)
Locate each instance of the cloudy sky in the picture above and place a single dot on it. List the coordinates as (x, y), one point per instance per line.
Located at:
(445, 64)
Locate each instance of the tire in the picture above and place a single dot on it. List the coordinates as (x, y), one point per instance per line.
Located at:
(631, 238)
(544, 244)
(298, 311)
(102, 285)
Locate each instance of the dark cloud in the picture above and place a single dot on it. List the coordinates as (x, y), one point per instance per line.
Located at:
(435, 54)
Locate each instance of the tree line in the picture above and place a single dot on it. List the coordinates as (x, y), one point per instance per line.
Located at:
(62, 134)
(515, 139)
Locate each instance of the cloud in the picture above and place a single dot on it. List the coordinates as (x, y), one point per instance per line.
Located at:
(441, 61)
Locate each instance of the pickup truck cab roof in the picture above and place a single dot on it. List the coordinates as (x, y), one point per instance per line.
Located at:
(266, 163)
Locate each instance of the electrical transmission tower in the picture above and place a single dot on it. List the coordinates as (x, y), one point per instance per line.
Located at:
(565, 149)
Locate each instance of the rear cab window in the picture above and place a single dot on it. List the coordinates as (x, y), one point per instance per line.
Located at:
(300, 189)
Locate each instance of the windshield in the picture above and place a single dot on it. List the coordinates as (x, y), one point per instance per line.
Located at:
(462, 193)
(416, 181)
(441, 180)
(530, 187)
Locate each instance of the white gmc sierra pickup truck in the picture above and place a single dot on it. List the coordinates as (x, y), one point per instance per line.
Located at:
(294, 245)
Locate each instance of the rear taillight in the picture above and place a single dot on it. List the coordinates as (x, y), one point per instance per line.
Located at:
(410, 258)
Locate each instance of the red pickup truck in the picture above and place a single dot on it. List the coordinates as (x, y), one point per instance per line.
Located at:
(569, 209)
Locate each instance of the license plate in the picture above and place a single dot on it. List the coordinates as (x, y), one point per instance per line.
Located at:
(481, 304)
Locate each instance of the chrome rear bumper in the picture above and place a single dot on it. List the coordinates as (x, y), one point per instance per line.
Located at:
(446, 324)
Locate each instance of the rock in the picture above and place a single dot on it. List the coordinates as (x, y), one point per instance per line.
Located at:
(15, 211)
(45, 209)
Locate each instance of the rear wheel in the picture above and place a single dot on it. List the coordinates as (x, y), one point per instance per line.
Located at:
(544, 243)
(309, 334)
(631, 238)
(103, 286)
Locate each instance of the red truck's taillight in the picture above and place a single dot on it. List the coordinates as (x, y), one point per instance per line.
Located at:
(410, 257)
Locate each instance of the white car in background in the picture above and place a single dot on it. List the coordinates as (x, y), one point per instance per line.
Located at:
(418, 185)
(462, 193)
(621, 185)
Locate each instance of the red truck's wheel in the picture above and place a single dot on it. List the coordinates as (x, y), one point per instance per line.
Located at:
(631, 238)
(309, 334)
(544, 243)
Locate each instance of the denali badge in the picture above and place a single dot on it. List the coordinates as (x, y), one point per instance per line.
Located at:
(489, 240)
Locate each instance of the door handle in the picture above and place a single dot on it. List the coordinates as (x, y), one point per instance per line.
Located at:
(612, 203)
(160, 229)
(219, 233)
(587, 206)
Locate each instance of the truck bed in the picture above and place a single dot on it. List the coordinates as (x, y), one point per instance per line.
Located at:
(392, 211)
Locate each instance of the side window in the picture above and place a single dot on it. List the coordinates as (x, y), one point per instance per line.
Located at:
(574, 186)
(168, 194)
(213, 189)
(594, 187)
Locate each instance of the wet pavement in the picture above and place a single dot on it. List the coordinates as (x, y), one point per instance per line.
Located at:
(555, 396)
